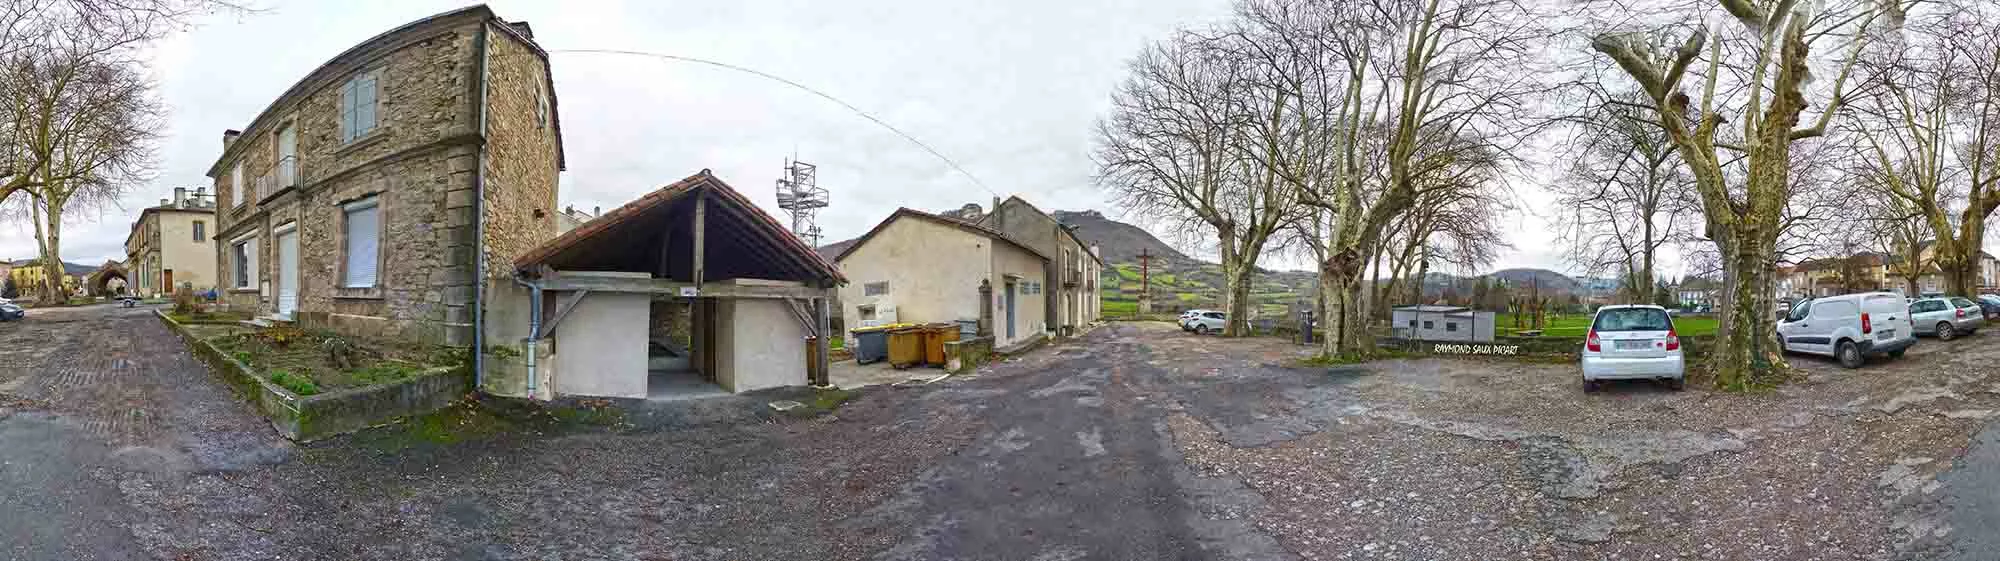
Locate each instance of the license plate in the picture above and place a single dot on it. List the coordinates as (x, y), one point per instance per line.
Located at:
(1886, 334)
(1634, 345)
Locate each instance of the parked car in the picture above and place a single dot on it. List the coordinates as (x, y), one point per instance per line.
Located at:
(1990, 304)
(1849, 327)
(1207, 322)
(11, 312)
(1633, 343)
(1947, 318)
(1188, 315)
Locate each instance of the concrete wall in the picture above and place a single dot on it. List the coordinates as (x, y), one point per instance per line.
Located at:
(761, 345)
(193, 262)
(600, 348)
(933, 271)
(1030, 310)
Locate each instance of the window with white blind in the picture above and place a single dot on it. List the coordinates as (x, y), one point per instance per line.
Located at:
(358, 105)
(243, 255)
(363, 244)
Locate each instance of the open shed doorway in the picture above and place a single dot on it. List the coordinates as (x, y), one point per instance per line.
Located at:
(689, 291)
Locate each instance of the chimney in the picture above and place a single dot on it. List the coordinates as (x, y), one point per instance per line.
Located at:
(229, 137)
(995, 213)
(597, 211)
(163, 202)
(181, 197)
(522, 28)
(1097, 251)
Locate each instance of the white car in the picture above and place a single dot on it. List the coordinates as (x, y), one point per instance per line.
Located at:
(1849, 327)
(1633, 343)
(1188, 315)
(1206, 322)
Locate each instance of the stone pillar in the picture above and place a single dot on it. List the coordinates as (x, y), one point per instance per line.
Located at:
(986, 308)
(461, 245)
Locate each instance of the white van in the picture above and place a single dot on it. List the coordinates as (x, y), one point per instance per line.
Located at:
(1849, 327)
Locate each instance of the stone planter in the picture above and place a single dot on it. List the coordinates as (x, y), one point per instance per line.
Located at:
(313, 417)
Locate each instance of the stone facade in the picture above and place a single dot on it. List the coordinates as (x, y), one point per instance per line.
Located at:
(172, 244)
(1073, 266)
(450, 122)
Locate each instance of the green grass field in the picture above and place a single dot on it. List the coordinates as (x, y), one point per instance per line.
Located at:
(1119, 307)
(1578, 325)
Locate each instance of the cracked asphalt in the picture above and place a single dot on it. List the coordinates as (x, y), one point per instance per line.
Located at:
(1135, 441)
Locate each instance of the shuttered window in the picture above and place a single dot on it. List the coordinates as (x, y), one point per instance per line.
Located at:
(364, 244)
(357, 106)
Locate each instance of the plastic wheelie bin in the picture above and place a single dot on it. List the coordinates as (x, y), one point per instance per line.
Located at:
(871, 344)
(906, 347)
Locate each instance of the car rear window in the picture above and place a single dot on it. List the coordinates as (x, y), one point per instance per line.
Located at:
(1962, 303)
(1632, 319)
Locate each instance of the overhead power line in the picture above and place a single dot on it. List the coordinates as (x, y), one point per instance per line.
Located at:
(808, 89)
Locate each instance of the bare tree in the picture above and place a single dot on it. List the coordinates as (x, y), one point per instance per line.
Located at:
(1423, 73)
(46, 48)
(1755, 73)
(1622, 196)
(1925, 129)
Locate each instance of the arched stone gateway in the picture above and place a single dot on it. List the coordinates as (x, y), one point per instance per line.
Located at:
(101, 282)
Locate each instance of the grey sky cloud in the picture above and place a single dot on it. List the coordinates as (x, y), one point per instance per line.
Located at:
(1008, 89)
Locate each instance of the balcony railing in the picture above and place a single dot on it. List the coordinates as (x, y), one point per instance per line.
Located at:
(1074, 277)
(280, 177)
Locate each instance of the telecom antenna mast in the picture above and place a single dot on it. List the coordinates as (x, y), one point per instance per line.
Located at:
(799, 194)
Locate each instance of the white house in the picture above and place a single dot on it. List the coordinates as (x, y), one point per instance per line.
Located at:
(1443, 323)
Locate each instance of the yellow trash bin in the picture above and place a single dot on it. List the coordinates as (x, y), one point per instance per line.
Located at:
(906, 347)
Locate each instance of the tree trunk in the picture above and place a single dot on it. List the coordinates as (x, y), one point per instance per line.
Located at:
(1236, 288)
(1746, 348)
(52, 264)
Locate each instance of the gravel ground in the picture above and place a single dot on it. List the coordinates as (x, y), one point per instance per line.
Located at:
(1135, 441)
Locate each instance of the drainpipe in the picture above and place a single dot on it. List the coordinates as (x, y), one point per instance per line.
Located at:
(534, 329)
(479, 228)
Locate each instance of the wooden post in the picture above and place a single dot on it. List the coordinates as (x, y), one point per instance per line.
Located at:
(700, 235)
(823, 319)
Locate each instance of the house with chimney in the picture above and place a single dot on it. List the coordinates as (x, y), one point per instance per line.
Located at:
(171, 244)
(383, 193)
(1073, 267)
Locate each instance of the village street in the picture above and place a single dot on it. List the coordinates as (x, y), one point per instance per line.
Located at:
(1135, 441)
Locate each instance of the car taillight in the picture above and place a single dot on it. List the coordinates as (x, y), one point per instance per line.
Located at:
(1674, 339)
(1591, 342)
(1866, 327)
(1961, 312)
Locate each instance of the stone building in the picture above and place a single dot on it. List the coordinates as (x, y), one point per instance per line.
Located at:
(172, 244)
(375, 195)
(1073, 265)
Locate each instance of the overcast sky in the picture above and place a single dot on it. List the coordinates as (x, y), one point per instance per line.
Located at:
(1008, 89)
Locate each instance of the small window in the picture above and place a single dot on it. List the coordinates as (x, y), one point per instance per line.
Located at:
(200, 231)
(244, 255)
(875, 288)
(1451, 326)
(236, 184)
(867, 312)
(541, 106)
(358, 106)
(1413, 324)
(1428, 325)
(363, 244)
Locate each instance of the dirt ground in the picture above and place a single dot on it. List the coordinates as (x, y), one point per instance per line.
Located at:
(1135, 441)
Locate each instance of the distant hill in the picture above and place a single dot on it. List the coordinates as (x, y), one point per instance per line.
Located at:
(1546, 280)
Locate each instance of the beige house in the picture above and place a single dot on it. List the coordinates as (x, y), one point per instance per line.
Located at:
(172, 244)
(1073, 266)
(372, 195)
(917, 267)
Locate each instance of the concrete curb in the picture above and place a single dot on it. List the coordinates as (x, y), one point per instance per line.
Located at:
(309, 418)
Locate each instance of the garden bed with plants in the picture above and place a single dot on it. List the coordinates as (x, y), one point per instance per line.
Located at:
(313, 383)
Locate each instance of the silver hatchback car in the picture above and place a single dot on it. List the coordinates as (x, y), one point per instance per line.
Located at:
(1633, 343)
(1947, 318)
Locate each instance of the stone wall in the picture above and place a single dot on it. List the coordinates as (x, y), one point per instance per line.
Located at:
(522, 151)
(421, 163)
